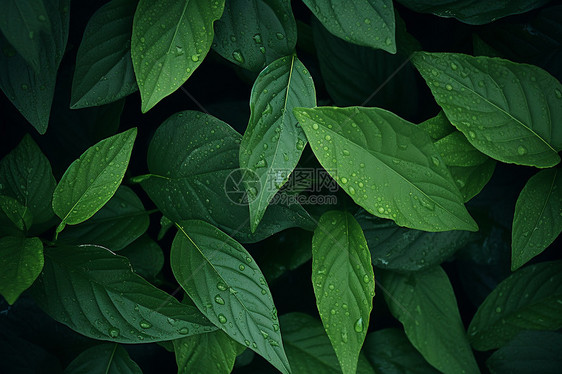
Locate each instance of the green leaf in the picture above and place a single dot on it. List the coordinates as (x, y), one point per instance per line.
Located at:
(424, 302)
(25, 174)
(369, 23)
(103, 358)
(31, 91)
(146, 257)
(225, 283)
(254, 33)
(104, 69)
(537, 221)
(397, 248)
(528, 353)
(309, 349)
(387, 165)
(21, 261)
(22, 23)
(170, 40)
(529, 299)
(92, 180)
(273, 143)
(193, 158)
(344, 284)
(291, 250)
(473, 12)
(95, 292)
(390, 352)
(506, 110)
(14, 214)
(165, 225)
(116, 225)
(210, 353)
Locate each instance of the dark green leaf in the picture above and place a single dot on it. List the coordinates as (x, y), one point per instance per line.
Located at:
(344, 284)
(424, 302)
(291, 250)
(387, 165)
(529, 299)
(14, 214)
(95, 292)
(146, 257)
(254, 33)
(170, 40)
(273, 143)
(21, 261)
(104, 69)
(103, 358)
(225, 283)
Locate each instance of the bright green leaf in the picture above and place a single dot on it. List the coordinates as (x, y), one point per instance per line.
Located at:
(537, 221)
(344, 284)
(387, 165)
(529, 299)
(254, 33)
(273, 143)
(369, 23)
(117, 224)
(225, 283)
(91, 181)
(95, 292)
(506, 110)
(103, 358)
(170, 40)
(424, 302)
(145, 255)
(104, 69)
(21, 261)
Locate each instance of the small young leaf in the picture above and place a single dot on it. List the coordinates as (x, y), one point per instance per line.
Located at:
(537, 221)
(21, 261)
(369, 23)
(506, 110)
(91, 181)
(344, 284)
(170, 40)
(273, 143)
(95, 292)
(387, 165)
(104, 69)
(146, 257)
(103, 358)
(529, 299)
(226, 284)
(424, 302)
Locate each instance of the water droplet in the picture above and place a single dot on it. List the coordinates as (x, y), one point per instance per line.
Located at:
(344, 180)
(262, 50)
(367, 21)
(498, 310)
(237, 56)
(558, 93)
(435, 160)
(328, 137)
(42, 18)
(222, 318)
(242, 267)
(300, 145)
(453, 66)
(449, 87)
(344, 337)
(521, 150)
(264, 334)
(195, 58)
(114, 332)
(366, 278)
(315, 126)
(280, 36)
(380, 209)
(219, 300)
(358, 327)
(472, 134)
(183, 331)
(145, 324)
(331, 287)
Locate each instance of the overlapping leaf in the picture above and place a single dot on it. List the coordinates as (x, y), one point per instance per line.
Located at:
(103, 358)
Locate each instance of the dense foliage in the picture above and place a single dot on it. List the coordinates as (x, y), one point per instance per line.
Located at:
(279, 163)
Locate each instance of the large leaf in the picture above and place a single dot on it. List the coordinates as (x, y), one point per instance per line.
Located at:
(529, 299)
(193, 159)
(21, 261)
(31, 91)
(103, 358)
(387, 165)
(273, 142)
(473, 12)
(309, 349)
(22, 23)
(528, 353)
(368, 23)
(146, 257)
(116, 225)
(344, 284)
(170, 40)
(390, 352)
(104, 69)
(225, 283)
(91, 181)
(95, 292)
(210, 353)
(254, 33)
(506, 110)
(25, 174)
(424, 302)
(537, 221)
(397, 248)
